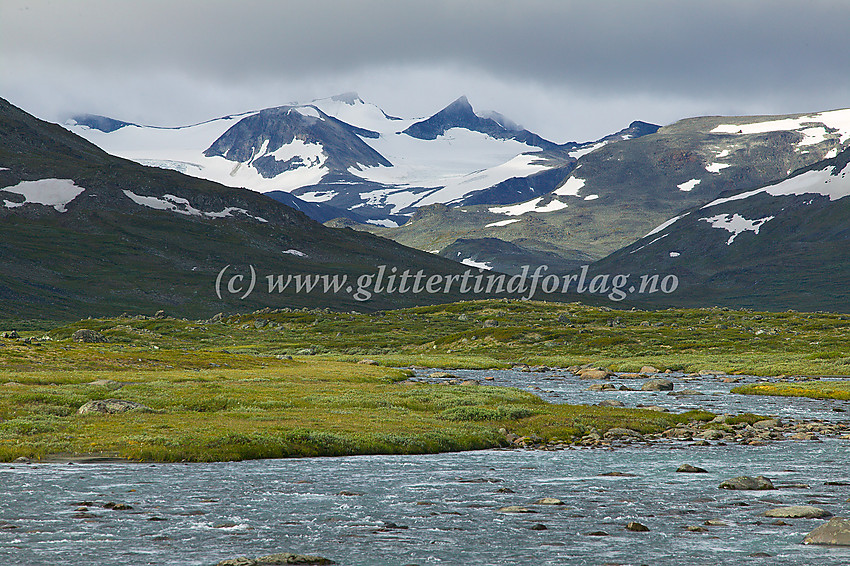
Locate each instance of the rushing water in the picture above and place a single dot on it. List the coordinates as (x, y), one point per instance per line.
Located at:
(344, 508)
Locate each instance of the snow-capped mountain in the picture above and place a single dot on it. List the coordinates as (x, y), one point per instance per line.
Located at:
(779, 246)
(622, 187)
(86, 233)
(352, 156)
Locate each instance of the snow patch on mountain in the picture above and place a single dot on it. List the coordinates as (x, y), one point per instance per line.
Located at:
(688, 185)
(650, 243)
(295, 252)
(385, 223)
(585, 150)
(570, 187)
(455, 189)
(823, 182)
(665, 225)
(503, 223)
(48, 192)
(716, 167)
(317, 196)
(736, 224)
(529, 206)
(834, 119)
(477, 264)
(181, 205)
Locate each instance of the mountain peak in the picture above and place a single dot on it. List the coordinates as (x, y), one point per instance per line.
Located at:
(461, 102)
(459, 114)
(350, 98)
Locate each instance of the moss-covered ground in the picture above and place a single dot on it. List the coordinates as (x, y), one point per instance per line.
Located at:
(224, 390)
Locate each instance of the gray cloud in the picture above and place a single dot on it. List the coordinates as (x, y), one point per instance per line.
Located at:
(571, 70)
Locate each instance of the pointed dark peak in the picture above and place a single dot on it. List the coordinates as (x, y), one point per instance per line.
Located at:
(459, 114)
(462, 103)
(102, 123)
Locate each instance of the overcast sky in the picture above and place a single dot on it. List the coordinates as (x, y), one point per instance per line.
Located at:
(568, 70)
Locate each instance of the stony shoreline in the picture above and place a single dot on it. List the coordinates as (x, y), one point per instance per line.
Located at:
(715, 432)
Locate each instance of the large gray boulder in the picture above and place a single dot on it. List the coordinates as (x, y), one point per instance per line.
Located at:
(659, 384)
(111, 407)
(798, 512)
(747, 483)
(834, 533)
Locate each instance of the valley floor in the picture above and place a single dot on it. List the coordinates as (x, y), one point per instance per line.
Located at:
(288, 383)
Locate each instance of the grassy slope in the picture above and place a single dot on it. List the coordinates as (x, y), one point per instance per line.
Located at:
(221, 392)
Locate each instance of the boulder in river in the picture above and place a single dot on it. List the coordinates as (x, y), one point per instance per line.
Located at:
(798, 512)
(659, 384)
(836, 532)
(441, 375)
(689, 469)
(595, 373)
(548, 501)
(747, 483)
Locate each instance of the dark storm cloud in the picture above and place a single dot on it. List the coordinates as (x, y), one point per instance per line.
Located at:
(727, 55)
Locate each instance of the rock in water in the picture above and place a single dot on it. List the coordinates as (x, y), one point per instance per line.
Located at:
(88, 336)
(689, 469)
(747, 483)
(834, 533)
(112, 406)
(798, 512)
(658, 385)
(636, 527)
(548, 501)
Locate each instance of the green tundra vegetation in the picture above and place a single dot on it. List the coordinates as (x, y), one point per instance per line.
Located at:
(225, 389)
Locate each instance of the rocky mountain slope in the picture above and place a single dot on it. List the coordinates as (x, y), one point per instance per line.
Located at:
(620, 189)
(85, 233)
(784, 245)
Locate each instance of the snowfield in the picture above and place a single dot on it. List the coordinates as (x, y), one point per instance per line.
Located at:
(181, 206)
(736, 224)
(529, 206)
(814, 133)
(48, 192)
(823, 182)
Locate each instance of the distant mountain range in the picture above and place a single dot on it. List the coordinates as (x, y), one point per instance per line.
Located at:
(745, 211)
(84, 233)
(620, 189)
(351, 156)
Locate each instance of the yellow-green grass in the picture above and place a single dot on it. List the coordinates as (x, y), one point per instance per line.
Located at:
(288, 408)
(224, 390)
(825, 389)
(475, 334)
